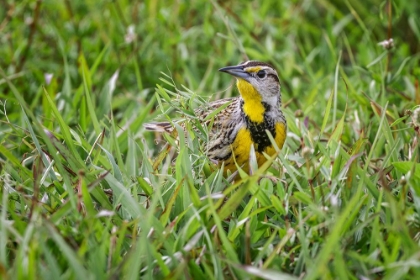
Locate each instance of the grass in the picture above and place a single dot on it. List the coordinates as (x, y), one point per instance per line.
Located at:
(87, 193)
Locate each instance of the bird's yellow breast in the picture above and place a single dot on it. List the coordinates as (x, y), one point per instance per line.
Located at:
(242, 145)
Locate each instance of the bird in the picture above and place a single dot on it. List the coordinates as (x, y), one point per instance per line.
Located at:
(245, 119)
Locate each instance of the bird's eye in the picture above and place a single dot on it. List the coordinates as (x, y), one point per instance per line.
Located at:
(261, 74)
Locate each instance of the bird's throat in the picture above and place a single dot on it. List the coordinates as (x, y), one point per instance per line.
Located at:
(253, 106)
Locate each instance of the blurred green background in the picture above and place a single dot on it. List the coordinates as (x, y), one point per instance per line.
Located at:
(191, 40)
(344, 204)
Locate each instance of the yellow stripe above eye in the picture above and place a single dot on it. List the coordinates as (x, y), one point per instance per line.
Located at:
(253, 69)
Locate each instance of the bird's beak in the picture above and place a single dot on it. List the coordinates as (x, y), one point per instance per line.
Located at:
(236, 71)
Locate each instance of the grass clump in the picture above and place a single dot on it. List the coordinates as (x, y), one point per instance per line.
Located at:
(86, 193)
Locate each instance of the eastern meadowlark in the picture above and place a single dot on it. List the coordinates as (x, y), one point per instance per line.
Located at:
(246, 120)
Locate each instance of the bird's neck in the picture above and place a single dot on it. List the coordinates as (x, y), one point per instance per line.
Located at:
(253, 107)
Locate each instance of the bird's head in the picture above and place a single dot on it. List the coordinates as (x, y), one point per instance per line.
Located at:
(256, 80)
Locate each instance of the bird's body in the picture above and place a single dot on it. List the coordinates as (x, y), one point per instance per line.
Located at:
(246, 119)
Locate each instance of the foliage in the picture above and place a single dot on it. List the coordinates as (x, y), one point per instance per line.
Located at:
(87, 193)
